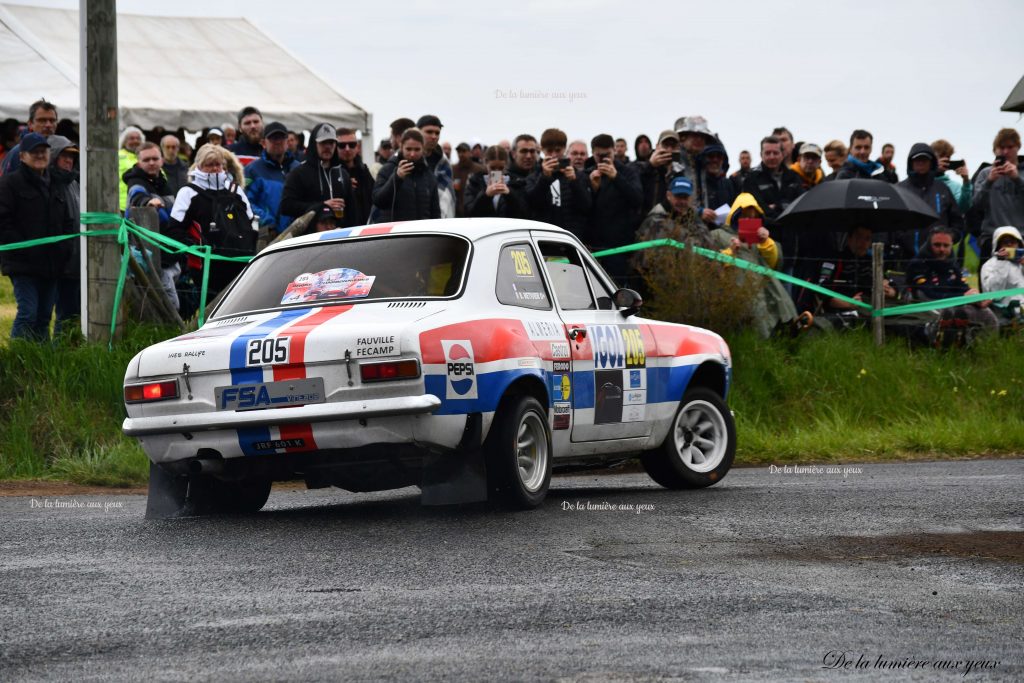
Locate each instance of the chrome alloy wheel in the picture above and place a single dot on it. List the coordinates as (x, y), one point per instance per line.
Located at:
(532, 451)
(700, 436)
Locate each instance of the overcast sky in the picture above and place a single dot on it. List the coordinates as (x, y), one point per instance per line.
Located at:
(907, 71)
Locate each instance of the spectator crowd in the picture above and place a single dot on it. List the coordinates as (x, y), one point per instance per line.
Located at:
(253, 176)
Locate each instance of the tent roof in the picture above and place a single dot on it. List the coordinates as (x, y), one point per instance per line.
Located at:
(1015, 102)
(172, 71)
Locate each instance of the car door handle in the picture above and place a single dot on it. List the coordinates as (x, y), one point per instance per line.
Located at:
(577, 333)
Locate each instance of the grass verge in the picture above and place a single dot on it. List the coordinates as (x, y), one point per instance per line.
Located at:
(832, 398)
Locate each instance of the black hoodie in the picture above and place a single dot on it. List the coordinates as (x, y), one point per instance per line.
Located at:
(932, 190)
(309, 184)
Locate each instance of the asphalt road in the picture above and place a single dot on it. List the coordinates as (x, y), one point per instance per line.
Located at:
(766, 576)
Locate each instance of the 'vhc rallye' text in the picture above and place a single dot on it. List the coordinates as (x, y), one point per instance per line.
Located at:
(467, 357)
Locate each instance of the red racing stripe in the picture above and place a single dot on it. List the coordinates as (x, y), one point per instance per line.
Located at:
(296, 369)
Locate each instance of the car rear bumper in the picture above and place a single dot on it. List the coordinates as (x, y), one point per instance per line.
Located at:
(320, 412)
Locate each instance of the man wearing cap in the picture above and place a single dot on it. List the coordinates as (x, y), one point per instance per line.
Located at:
(655, 172)
(248, 146)
(31, 207)
(437, 163)
(264, 177)
(462, 171)
(321, 179)
(215, 136)
(617, 198)
(64, 177)
(808, 165)
(674, 218)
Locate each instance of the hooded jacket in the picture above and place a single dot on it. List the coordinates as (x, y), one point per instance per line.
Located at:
(68, 183)
(998, 274)
(264, 185)
(190, 220)
(32, 206)
(309, 184)
(405, 199)
(932, 190)
(713, 191)
(808, 181)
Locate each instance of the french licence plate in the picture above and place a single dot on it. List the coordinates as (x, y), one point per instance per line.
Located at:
(294, 392)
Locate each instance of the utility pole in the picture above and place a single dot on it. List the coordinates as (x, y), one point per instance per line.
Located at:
(101, 256)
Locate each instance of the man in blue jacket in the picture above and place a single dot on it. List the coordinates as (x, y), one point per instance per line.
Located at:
(264, 177)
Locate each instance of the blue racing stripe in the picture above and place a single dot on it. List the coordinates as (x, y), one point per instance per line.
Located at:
(335, 234)
(240, 374)
(490, 386)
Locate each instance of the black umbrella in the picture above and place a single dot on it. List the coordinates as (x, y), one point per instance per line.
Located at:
(838, 205)
(1015, 102)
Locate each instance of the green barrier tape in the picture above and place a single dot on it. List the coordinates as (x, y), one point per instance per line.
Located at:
(122, 239)
(206, 286)
(732, 260)
(937, 304)
(53, 240)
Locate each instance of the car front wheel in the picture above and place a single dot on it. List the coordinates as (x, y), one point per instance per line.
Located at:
(699, 448)
(518, 450)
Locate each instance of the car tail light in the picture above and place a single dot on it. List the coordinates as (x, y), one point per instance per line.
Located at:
(389, 370)
(152, 391)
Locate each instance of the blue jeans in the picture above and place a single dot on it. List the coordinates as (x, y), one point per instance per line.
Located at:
(36, 297)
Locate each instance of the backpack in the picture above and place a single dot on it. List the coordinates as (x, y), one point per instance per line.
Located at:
(231, 232)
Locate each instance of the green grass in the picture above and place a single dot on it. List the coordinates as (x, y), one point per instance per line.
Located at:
(7, 307)
(818, 399)
(838, 397)
(61, 411)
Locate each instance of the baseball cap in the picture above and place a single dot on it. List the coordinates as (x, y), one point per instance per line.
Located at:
(810, 148)
(326, 132)
(215, 131)
(667, 134)
(428, 120)
(681, 185)
(922, 154)
(274, 128)
(32, 141)
(462, 146)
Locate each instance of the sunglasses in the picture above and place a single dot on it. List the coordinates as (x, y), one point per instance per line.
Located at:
(348, 145)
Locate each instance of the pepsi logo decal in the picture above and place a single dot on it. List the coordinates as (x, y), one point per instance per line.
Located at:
(460, 365)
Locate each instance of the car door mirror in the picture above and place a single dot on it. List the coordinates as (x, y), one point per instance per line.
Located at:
(629, 301)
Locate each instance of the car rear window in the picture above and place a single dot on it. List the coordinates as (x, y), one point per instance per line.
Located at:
(349, 270)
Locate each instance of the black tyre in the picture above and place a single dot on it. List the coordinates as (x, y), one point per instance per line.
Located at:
(518, 453)
(699, 448)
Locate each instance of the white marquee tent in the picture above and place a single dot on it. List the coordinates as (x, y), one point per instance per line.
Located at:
(172, 71)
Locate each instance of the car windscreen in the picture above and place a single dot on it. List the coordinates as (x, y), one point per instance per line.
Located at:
(351, 270)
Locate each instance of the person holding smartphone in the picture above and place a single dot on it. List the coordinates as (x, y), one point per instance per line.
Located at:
(556, 192)
(999, 189)
(493, 192)
(618, 197)
(954, 173)
(406, 190)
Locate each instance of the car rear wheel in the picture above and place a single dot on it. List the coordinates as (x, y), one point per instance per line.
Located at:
(699, 448)
(518, 451)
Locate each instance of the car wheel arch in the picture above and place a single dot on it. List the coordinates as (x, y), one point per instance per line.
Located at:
(709, 375)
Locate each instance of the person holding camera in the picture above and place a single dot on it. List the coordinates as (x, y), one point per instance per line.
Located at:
(999, 189)
(493, 192)
(617, 200)
(655, 172)
(406, 190)
(960, 182)
(556, 192)
(1005, 270)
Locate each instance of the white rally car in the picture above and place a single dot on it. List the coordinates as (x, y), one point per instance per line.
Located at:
(469, 357)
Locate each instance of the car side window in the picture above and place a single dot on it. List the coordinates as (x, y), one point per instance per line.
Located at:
(519, 280)
(605, 299)
(568, 276)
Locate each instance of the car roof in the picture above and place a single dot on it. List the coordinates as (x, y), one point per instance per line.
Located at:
(471, 228)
